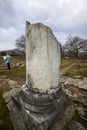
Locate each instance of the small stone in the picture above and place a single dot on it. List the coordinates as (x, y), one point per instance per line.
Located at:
(74, 125)
(12, 83)
(80, 110)
(77, 76)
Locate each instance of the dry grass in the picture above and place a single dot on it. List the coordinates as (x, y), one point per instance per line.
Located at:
(66, 62)
(80, 68)
(5, 123)
(15, 59)
(17, 73)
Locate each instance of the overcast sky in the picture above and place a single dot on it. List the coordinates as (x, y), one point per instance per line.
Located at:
(64, 17)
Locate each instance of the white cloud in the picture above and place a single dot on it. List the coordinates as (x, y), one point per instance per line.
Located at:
(63, 16)
(6, 45)
(67, 14)
(8, 37)
(9, 33)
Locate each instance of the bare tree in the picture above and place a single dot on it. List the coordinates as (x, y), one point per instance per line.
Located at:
(75, 45)
(20, 43)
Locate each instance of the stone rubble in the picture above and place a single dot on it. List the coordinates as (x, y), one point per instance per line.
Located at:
(12, 83)
(73, 89)
(81, 83)
(76, 90)
(74, 93)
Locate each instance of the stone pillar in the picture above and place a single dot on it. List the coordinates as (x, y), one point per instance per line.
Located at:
(42, 58)
(42, 98)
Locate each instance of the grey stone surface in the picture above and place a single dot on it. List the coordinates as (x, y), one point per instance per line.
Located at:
(41, 108)
(81, 111)
(12, 83)
(81, 83)
(42, 57)
(23, 119)
(16, 117)
(7, 95)
(41, 99)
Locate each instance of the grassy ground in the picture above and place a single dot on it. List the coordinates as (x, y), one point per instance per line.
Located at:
(15, 60)
(80, 68)
(16, 73)
(5, 123)
(19, 74)
(66, 62)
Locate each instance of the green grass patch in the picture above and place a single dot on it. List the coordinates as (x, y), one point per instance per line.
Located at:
(16, 72)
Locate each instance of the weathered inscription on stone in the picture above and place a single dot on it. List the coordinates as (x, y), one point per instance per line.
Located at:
(42, 57)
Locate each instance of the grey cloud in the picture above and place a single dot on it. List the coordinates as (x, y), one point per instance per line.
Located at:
(6, 13)
(63, 16)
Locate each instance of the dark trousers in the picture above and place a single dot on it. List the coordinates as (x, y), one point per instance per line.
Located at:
(8, 66)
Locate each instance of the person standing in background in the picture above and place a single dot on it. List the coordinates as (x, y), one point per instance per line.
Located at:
(8, 59)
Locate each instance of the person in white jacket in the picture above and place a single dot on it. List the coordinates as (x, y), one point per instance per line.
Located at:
(8, 59)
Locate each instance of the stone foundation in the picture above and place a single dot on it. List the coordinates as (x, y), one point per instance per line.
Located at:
(40, 108)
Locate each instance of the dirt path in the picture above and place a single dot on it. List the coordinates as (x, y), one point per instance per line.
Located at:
(67, 68)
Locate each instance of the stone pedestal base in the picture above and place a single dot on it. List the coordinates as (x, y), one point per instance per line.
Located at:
(40, 109)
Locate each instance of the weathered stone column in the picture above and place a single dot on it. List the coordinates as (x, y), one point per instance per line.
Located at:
(42, 58)
(42, 98)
